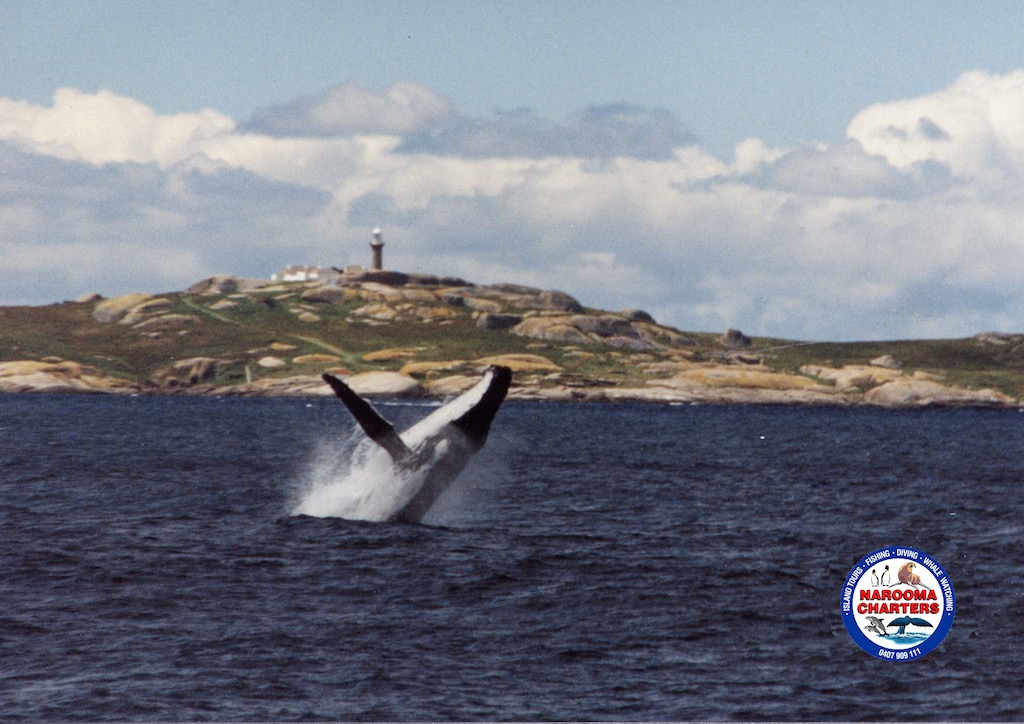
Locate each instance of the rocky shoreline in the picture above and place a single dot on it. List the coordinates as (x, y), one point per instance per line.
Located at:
(415, 336)
(703, 384)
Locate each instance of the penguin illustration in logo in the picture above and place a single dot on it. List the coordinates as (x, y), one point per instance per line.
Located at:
(885, 576)
(874, 578)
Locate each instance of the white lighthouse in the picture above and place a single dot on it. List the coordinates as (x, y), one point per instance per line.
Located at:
(377, 246)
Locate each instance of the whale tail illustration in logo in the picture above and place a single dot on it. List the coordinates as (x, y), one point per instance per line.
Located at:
(905, 621)
(900, 620)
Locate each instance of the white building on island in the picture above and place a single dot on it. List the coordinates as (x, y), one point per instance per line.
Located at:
(309, 273)
(299, 273)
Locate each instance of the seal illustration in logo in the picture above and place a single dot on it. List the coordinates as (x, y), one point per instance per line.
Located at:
(901, 619)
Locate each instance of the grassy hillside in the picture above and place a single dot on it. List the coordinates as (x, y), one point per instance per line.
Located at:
(971, 362)
(241, 328)
(259, 326)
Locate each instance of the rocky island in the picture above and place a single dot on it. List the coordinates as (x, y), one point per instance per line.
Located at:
(417, 335)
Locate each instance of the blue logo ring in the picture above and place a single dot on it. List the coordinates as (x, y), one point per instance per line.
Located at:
(898, 603)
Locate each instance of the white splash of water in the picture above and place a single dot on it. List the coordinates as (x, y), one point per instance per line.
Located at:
(357, 482)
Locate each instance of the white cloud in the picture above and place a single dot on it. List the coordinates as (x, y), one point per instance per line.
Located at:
(77, 228)
(106, 128)
(975, 127)
(430, 125)
(609, 131)
(912, 227)
(399, 109)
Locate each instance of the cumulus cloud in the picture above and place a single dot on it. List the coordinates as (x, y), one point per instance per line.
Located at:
(69, 227)
(974, 127)
(847, 171)
(911, 227)
(608, 131)
(429, 124)
(106, 128)
(399, 109)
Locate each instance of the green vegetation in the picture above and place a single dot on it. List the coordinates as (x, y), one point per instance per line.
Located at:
(238, 330)
(970, 363)
(259, 324)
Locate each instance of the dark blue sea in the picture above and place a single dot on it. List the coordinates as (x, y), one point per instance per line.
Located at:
(594, 562)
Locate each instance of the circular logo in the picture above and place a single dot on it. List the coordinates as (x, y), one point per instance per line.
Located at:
(898, 603)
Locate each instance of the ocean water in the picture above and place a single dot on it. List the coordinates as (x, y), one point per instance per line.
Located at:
(593, 562)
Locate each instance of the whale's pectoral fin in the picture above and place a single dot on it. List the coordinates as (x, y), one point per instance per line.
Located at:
(376, 427)
(476, 423)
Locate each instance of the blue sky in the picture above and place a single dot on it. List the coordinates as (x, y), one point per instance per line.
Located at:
(781, 71)
(801, 169)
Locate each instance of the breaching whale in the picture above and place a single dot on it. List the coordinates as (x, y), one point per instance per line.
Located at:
(430, 454)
